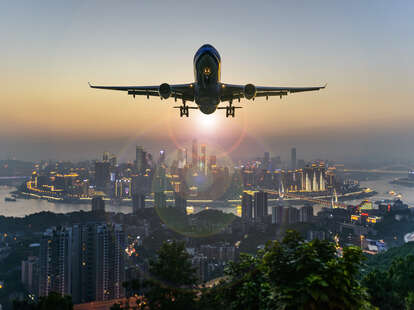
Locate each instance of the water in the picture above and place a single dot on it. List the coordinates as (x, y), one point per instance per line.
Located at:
(383, 186)
(23, 207)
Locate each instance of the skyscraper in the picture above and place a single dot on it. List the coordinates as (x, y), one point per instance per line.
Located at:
(160, 200)
(194, 154)
(293, 158)
(98, 262)
(98, 204)
(203, 159)
(138, 202)
(102, 174)
(55, 261)
(247, 205)
(140, 159)
(260, 205)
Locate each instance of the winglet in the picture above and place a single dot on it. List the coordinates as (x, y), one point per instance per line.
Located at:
(89, 83)
(324, 86)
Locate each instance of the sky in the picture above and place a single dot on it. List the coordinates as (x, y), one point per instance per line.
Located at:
(362, 49)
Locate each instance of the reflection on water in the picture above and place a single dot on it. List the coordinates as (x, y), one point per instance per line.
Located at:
(23, 207)
(383, 188)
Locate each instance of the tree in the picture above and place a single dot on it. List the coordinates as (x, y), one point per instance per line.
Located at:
(172, 283)
(293, 274)
(392, 288)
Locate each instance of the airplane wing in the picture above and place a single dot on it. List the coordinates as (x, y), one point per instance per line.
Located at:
(164, 91)
(230, 92)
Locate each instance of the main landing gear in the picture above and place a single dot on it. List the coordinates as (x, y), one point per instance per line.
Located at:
(230, 111)
(184, 111)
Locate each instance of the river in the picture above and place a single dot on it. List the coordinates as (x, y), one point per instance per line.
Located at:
(23, 207)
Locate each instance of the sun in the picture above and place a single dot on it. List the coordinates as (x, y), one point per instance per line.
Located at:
(207, 122)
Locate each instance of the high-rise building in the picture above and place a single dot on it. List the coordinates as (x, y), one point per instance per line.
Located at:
(98, 204)
(306, 214)
(102, 175)
(260, 205)
(247, 206)
(105, 156)
(140, 159)
(279, 214)
(55, 261)
(30, 274)
(293, 158)
(98, 262)
(180, 201)
(203, 159)
(212, 161)
(138, 203)
(194, 154)
(160, 200)
(161, 160)
(266, 160)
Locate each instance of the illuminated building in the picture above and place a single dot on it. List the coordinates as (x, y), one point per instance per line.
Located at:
(98, 262)
(123, 188)
(160, 200)
(293, 158)
(247, 206)
(194, 154)
(366, 205)
(140, 159)
(55, 261)
(203, 159)
(98, 204)
(105, 157)
(180, 201)
(260, 205)
(102, 175)
(212, 163)
(161, 160)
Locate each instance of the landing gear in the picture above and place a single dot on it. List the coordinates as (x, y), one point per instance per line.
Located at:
(184, 111)
(230, 110)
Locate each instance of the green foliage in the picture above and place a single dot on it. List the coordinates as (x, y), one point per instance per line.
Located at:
(172, 281)
(384, 260)
(292, 274)
(392, 288)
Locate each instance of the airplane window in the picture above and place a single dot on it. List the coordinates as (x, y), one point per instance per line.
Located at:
(207, 71)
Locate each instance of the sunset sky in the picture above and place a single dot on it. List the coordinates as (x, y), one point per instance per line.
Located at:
(362, 49)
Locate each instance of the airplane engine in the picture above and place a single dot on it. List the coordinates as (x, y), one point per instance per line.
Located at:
(249, 91)
(164, 90)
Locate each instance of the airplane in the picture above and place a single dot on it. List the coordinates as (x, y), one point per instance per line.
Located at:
(207, 91)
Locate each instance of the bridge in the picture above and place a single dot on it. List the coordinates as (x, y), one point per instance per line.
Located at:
(334, 203)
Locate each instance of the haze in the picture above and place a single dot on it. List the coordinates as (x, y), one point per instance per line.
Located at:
(51, 49)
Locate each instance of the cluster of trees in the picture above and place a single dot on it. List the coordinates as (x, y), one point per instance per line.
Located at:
(290, 274)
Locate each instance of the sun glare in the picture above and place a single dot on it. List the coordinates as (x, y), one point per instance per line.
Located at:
(207, 121)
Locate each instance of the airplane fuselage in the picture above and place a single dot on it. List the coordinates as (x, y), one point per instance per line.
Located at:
(207, 86)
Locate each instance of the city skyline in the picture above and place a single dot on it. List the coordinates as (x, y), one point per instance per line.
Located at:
(361, 50)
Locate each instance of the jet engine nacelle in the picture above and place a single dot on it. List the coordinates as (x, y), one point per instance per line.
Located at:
(164, 91)
(249, 91)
